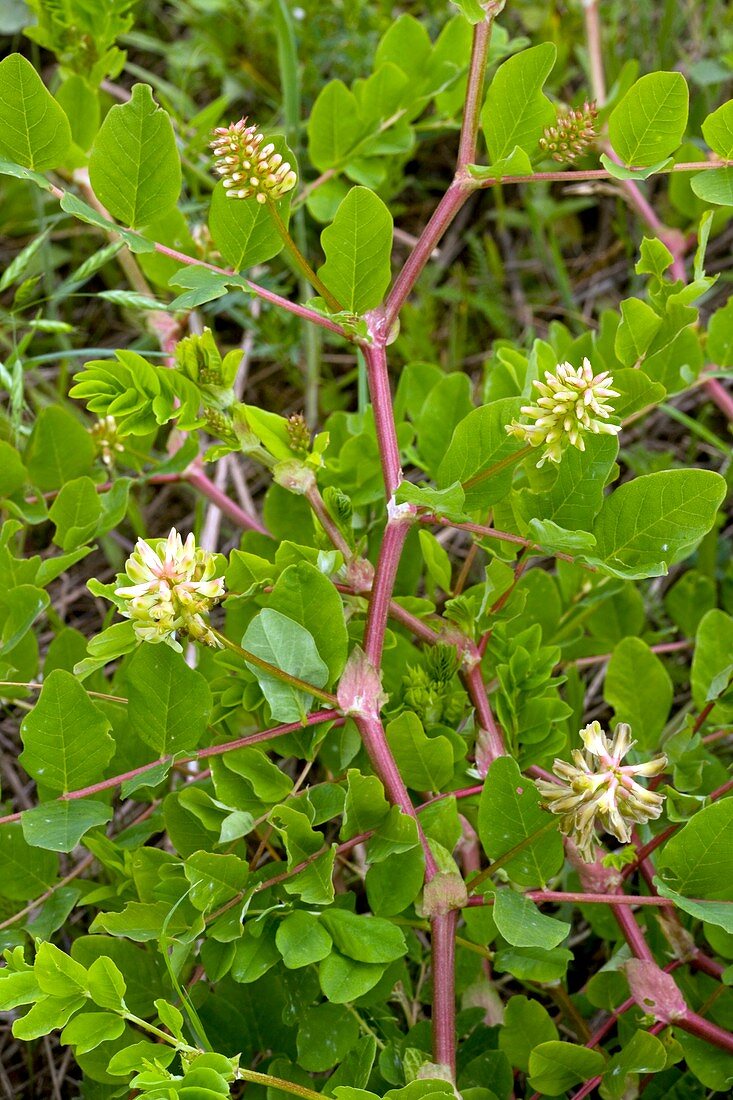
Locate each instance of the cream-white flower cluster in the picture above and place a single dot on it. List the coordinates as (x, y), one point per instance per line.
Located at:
(597, 789)
(249, 167)
(173, 589)
(572, 402)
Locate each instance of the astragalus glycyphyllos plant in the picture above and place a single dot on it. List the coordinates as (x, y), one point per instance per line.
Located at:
(408, 778)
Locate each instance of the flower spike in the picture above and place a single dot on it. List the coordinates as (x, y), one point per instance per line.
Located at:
(597, 789)
(574, 131)
(572, 402)
(248, 166)
(173, 589)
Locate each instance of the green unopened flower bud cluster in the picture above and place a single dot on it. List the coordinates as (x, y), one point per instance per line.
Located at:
(572, 133)
(572, 402)
(431, 692)
(299, 434)
(250, 166)
(597, 789)
(173, 589)
(106, 435)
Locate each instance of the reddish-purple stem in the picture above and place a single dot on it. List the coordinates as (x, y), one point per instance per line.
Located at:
(474, 92)
(631, 932)
(390, 551)
(580, 175)
(201, 754)
(492, 744)
(385, 766)
(196, 477)
(444, 213)
(580, 898)
(443, 948)
(701, 1028)
(380, 393)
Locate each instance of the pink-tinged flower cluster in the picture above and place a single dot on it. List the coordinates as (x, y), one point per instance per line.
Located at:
(597, 789)
(248, 166)
(572, 133)
(572, 402)
(173, 589)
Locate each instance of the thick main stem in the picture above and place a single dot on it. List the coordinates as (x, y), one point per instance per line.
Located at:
(443, 952)
(490, 743)
(704, 1029)
(385, 767)
(443, 215)
(393, 541)
(375, 356)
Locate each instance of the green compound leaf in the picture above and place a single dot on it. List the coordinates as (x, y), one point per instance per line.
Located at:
(717, 129)
(72, 204)
(473, 10)
(697, 862)
(715, 186)
(656, 520)
(516, 110)
(575, 496)
(639, 325)
(426, 763)
(306, 595)
(343, 980)
(34, 131)
(169, 703)
(358, 248)
(314, 883)
(509, 814)
(67, 745)
(720, 336)
(19, 609)
(243, 230)
(59, 449)
(76, 512)
(712, 663)
(57, 973)
(134, 166)
(301, 939)
(719, 913)
(334, 126)
(646, 711)
(522, 924)
(649, 122)
(214, 878)
(87, 1030)
(643, 1053)
(326, 1034)
(59, 826)
(481, 444)
(364, 938)
(47, 1015)
(526, 1023)
(288, 645)
(25, 872)
(555, 1067)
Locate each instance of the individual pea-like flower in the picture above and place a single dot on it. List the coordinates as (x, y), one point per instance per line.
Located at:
(572, 402)
(173, 589)
(248, 166)
(106, 436)
(573, 132)
(598, 789)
